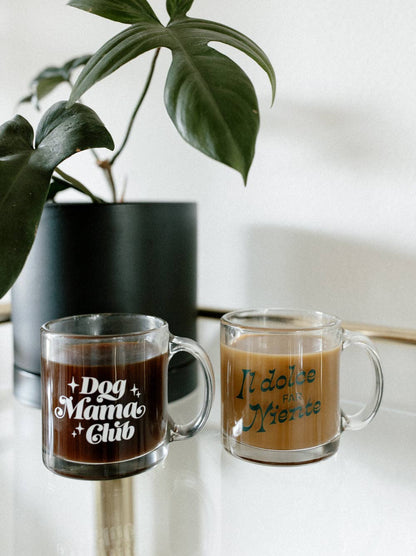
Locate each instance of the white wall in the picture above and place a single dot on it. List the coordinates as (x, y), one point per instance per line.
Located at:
(327, 219)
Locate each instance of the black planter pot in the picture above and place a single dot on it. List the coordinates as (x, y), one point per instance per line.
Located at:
(89, 258)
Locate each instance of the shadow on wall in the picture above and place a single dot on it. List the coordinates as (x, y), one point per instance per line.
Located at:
(356, 137)
(357, 281)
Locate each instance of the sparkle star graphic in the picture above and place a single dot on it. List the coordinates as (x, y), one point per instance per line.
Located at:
(79, 428)
(74, 434)
(73, 384)
(134, 390)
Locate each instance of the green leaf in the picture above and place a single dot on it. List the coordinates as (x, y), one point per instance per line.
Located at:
(214, 107)
(58, 184)
(45, 82)
(49, 78)
(25, 174)
(65, 131)
(16, 136)
(119, 50)
(178, 8)
(211, 31)
(124, 11)
(47, 85)
(74, 64)
(27, 98)
(209, 98)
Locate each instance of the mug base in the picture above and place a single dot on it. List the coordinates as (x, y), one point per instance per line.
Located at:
(104, 471)
(280, 457)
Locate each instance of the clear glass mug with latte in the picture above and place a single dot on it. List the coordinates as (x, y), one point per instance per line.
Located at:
(280, 376)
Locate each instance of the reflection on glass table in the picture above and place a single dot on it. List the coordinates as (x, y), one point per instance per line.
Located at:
(201, 501)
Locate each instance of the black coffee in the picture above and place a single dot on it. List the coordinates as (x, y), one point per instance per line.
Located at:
(104, 412)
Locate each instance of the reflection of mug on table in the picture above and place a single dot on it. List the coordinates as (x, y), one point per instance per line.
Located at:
(280, 385)
(104, 394)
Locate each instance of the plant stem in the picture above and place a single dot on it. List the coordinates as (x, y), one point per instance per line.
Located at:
(139, 103)
(78, 185)
(106, 166)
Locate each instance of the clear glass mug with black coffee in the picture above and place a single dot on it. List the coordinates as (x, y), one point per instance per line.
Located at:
(104, 394)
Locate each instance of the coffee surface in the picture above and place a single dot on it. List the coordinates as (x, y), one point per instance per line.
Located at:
(280, 393)
(104, 412)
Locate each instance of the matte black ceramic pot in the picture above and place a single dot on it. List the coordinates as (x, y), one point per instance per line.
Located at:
(90, 258)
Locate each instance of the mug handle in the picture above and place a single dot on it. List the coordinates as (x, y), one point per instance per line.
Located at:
(366, 414)
(186, 430)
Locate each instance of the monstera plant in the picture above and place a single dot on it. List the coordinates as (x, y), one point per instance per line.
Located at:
(209, 98)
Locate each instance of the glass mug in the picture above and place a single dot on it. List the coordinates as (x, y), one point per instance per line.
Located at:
(105, 394)
(280, 374)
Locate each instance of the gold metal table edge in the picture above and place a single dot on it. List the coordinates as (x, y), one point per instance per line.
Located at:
(374, 331)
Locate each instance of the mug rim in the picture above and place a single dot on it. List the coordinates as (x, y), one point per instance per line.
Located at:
(318, 320)
(46, 328)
